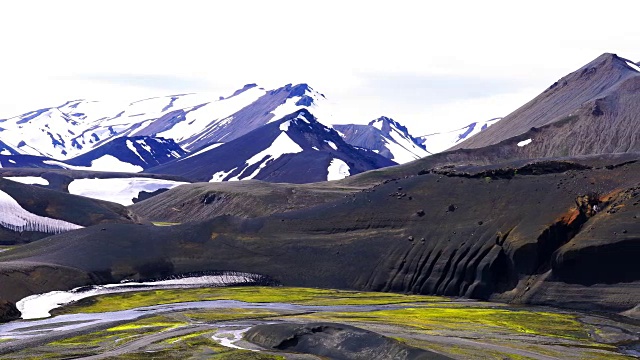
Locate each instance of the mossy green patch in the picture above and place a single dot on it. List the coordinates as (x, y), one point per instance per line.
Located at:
(176, 339)
(196, 345)
(507, 321)
(122, 333)
(307, 296)
(164, 223)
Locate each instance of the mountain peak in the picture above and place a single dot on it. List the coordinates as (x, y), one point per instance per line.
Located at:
(581, 96)
(382, 119)
(607, 61)
(385, 124)
(244, 88)
(299, 117)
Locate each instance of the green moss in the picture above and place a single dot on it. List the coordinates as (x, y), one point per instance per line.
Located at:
(475, 353)
(187, 337)
(122, 333)
(164, 223)
(471, 319)
(308, 296)
(196, 345)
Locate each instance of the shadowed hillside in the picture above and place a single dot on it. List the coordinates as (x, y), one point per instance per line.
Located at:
(531, 238)
(594, 110)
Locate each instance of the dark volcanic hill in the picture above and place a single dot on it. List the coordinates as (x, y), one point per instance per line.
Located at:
(294, 149)
(525, 234)
(594, 110)
(28, 211)
(248, 198)
(386, 137)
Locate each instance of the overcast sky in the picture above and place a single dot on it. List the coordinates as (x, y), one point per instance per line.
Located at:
(429, 66)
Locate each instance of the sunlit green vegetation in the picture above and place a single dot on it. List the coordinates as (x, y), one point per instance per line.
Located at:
(164, 223)
(306, 296)
(470, 318)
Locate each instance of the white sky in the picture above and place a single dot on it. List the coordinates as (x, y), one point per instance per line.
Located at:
(429, 66)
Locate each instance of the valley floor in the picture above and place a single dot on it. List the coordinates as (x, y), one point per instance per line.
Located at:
(210, 322)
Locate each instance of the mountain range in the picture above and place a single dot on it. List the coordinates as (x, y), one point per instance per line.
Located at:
(295, 149)
(147, 134)
(538, 208)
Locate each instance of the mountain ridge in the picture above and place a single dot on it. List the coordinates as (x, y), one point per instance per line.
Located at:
(297, 148)
(590, 83)
(384, 136)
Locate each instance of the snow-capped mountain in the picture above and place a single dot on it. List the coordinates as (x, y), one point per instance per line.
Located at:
(140, 151)
(386, 137)
(296, 148)
(439, 142)
(125, 154)
(191, 120)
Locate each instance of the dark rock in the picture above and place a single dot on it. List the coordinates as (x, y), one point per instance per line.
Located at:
(420, 213)
(208, 198)
(451, 208)
(334, 341)
(144, 195)
(8, 311)
(597, 111)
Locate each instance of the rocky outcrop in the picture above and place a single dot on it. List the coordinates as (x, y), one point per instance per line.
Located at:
(8, 311)
(334, 341)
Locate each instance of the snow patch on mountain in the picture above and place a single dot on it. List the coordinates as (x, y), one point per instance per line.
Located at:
(221, 175)
(285, 125)
(119, 190)
(337, 170)
(439, 142)
(525, 142)
(133, 149)
(104, 163)
(280, 146)
(205, 149)
(15, 218)
(633, 66)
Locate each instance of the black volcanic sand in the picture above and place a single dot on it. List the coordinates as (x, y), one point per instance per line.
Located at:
(334, 341)
(523, 239)
(250, 198)
(247, 198)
